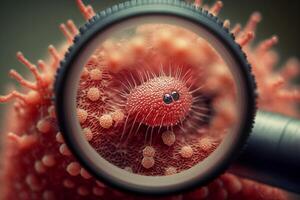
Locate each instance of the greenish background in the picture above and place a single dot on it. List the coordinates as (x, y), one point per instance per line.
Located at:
(31, 25)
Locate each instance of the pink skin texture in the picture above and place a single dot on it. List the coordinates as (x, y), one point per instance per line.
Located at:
(139, 124)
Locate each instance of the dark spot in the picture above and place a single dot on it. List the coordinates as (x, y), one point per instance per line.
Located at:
(167, 98)
(175, 95)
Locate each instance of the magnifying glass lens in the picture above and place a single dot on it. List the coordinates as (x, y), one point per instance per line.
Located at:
(156, 98)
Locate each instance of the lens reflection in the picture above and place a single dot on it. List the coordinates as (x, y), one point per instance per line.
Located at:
(156, 99)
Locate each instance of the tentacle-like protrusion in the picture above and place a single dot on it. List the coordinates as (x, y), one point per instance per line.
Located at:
(90, 10)
(290, 95)
(72, 27)
(42, 66)
(87, 11)
(291, 69)
(13, 95)
(69, 30)
(42, 80)
(277, 83)
(252, 23)
(66, 33)
(266, 45)
(24, 141)
(37, 88)
(198, 3)
(246, 39)
(30, 66)
(216, 8)
(236, 30)
(226, 24)
(32, 97)
(54, 54)
(22, 81)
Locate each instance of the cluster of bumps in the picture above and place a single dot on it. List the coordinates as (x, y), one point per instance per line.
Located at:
(37, 164)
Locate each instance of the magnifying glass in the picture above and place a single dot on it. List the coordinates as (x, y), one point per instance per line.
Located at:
(144, 109)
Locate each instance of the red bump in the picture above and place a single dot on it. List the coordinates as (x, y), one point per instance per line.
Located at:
(148, 98)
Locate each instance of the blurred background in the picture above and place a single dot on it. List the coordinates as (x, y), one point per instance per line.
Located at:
(30, 26)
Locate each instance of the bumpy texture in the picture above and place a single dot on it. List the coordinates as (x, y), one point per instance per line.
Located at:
(38, 164)
(170, 107)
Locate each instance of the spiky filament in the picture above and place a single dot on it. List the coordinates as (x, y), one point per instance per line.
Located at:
(45, 169)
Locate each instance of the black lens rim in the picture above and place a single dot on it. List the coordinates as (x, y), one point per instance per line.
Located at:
(131, 9)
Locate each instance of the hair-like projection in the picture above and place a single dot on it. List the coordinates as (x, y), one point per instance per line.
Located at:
(147, 104)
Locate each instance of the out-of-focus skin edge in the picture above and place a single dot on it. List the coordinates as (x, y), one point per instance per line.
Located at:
(8, 114)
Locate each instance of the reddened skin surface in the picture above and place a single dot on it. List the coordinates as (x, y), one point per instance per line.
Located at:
(39, 165)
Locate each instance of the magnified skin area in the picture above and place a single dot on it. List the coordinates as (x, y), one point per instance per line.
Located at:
(38, 165)
(152, 94)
